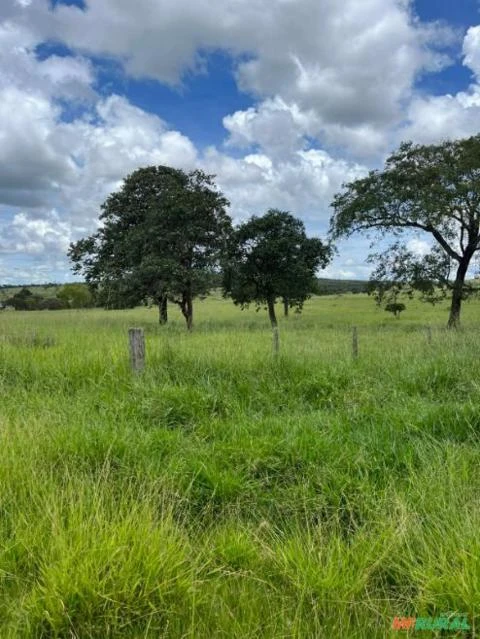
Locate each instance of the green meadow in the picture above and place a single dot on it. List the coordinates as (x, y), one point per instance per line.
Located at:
(229, 493)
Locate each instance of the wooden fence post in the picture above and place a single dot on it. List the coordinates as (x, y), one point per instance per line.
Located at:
(136, 339)
(355, 342)
(429, 334)
(276, 341)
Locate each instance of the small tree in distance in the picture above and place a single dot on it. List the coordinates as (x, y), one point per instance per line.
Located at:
(396, 308)
(271, 257)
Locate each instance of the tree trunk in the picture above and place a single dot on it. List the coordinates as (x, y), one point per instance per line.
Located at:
(162, 309)
(189, 317)
(457, 294)
(186, 306)
(271, 311)
(285, 306)
(455, 307)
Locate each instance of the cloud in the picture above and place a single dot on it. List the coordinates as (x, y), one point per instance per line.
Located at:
(352, 64)
(47, 159)
(33, 160)
(279, 129)
(304, 184)
(42, 237)
(44, 158)
(91, 155)
(432, 119)
(471, 50)
(436, 118)
(71, 167)
(419, 247)
(56, 171)
(57, 77)
(33, 155)
(120, 138)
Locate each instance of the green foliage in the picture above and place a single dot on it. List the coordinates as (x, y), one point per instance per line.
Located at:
(52, 304)
(431, 189)
(401, 272)
(271, 257)
(46, 291)
(75, 296)
(162, 235)
(25, 300)
(396, 308)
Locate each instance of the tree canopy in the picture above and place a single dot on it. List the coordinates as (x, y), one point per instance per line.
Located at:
(75, 295)
(395, 307)
(433, 190)
(271, 257)
(25, 300)
(161, 238)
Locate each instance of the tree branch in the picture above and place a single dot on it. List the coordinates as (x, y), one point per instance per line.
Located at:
(444, 244)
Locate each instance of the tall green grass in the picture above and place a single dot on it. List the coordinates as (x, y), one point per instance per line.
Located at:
(228, 493)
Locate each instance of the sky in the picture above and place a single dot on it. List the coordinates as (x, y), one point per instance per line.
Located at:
(284, 101)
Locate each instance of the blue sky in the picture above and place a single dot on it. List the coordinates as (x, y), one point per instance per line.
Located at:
(283, 101)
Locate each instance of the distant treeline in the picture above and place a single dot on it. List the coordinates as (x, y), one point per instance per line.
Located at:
(52, 296)
(335, 287)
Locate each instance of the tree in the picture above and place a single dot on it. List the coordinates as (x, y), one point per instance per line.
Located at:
(161, 239)
(75, 296)
(24, 300)
(395, 307)
(271, 257)
(434, 190)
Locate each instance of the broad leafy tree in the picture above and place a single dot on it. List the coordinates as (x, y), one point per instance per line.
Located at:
(161, 236)
(433, 190)
(270, 258)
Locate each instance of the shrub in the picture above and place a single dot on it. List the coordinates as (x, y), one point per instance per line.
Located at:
(395, 307)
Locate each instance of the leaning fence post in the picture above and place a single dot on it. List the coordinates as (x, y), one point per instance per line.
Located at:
(276, 341)
(429, 334)
(355, 342)
(136, 339)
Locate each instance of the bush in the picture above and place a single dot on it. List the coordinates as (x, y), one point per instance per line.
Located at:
(395, 307)
(75, 296)
(52, 304)
(24, 300)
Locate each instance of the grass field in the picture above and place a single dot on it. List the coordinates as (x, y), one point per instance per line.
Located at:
(225, 493)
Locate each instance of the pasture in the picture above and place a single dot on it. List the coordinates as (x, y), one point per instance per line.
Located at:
(228, 493)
